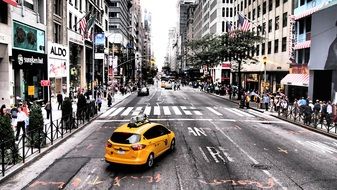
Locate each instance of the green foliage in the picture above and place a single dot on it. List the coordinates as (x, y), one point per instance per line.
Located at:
(35, 129)
(67, 107)
(6, 130)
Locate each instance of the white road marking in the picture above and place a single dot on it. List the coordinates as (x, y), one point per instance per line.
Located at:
(203, 154)
(166, 110)
(116, 112)
(127, 111)
(226, 154)
(107, 113)
(215, 153)
(156, 110)
(137, 111)
(322, 147)
(214, 111)
(263, 121)
(185, 111)
(196, 111)
(147, 110)
(229, 109)
(176, 110)
(250, 157)
(242, 112)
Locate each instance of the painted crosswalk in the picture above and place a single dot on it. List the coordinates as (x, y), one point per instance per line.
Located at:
(159, 110)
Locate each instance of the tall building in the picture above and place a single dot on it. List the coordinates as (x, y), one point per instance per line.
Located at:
(172, 47)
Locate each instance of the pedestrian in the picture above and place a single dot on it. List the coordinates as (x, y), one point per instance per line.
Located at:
(99, 103)
(14, 116)
(266, 101)
(59, 100)
(21, 118)
(25, 108)
(109, 99)
(3, 110)
(47, 107)
(307, 114)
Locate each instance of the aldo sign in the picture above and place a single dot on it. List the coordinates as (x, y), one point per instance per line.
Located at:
(57, 51)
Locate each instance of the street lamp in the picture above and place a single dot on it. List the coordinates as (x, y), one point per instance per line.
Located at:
(265, 72)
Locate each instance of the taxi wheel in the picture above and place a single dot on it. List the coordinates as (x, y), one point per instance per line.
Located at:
(173, 144)
(150, 160)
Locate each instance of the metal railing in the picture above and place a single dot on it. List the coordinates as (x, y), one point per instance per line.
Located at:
(13, 152)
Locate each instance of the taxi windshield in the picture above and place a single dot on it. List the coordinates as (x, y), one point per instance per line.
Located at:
(125, 138)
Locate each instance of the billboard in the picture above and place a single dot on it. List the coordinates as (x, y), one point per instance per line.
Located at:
(99, 46)
(28, 38)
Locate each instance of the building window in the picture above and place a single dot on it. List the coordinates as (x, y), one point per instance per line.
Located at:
(249, 15)
(264, 28)
(223, 11)
(257, 50)
(223, 26)
(75, 24)
(258, 11)
(263, 49)
(285, 19)
(270, 5)
(113, 15)
(76, 4)
(284, 44)
(276, 46)
(70, 2)
(57, 33)
(231, 12)
(241, 5)
(80, 5)
(70, 21)
(106, 25)
(29, 4)
(58, 7)
(270, 25)
(264, 8)
(269, 47)
(301, 26)
(245, 3)
(254, 13)
(277, 3)
(3, 12)
(227, 11)
(277, 22)
(114, 4)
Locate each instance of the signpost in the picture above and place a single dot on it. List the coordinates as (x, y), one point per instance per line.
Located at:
(46, 83)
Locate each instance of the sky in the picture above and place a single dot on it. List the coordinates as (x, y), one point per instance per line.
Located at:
(164, 16)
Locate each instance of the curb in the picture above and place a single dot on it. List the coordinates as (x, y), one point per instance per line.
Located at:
(283, 119)
(55, 145)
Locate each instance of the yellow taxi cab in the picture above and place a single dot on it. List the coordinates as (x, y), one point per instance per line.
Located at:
(162, 84)
(139, 142)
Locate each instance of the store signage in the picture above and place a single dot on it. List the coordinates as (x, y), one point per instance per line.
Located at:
(29, 60)
(45, 82)
(58, 51)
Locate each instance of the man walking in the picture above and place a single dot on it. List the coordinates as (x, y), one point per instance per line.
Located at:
(266, 101)
(21, 118)
(59, 100)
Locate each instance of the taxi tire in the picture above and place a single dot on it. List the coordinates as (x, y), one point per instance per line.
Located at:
(173, 144)
(150, 161)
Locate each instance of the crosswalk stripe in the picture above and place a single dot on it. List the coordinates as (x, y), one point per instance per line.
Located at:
(127, 111)
(243, 113)
(229, 109)
(147, 110)
(107, 113)
(176, 110)
(185, 111)
(196, 111)
(214, 111)
(166, 110)
(117, 111)
(137, 111)
(323, 147)
(156, 110)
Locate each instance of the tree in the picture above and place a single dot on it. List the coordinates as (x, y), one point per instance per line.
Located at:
(235, 46)
(67, 111)
(35, 129)
(7, 141)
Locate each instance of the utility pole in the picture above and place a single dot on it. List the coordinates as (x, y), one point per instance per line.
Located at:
(93, 60)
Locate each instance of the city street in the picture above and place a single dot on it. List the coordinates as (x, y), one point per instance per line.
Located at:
(218, 146)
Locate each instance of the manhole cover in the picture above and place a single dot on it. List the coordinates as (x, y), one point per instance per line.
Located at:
(260, 166)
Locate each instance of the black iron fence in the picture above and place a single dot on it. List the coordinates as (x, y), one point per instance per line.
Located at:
(31, 141)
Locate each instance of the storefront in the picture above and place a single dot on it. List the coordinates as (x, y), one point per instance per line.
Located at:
(29, 62)
(58, 68)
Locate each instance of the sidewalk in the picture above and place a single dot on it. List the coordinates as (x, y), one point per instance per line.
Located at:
(34, 156)
(320, 129)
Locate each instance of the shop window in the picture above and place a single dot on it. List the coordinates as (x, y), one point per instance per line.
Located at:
(269, 47)
(285, 19)
(284, 44)
(3, 12)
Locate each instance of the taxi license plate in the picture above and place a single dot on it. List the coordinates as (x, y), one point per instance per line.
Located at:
(120, 151)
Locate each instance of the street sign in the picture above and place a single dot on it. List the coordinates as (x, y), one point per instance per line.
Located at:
(31, 90)
(45, 82)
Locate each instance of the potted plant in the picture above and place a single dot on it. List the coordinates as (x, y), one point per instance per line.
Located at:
(7, 141)
(67, 111)
(35, 127)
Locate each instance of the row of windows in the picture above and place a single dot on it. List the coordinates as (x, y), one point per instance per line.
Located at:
(243, 4)
(76, 3)
(269, 47)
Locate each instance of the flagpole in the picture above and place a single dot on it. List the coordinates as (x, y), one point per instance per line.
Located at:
(93, 59)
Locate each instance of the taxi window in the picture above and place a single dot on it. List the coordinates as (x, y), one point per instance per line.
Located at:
(125, 138)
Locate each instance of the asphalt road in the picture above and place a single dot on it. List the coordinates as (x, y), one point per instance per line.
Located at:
(218, 146)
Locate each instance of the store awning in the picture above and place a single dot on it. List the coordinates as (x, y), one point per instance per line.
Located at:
(303, 45)
(296, 80)
(11, 2)
(307, 12)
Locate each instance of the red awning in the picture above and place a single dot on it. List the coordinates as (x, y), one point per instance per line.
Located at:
(303, 45)
(307, 12)
(296, 80)
(11, 2)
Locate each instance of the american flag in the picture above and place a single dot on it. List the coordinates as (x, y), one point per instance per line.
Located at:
(244, 24)
(229, 26)
(83, 25)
